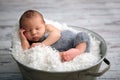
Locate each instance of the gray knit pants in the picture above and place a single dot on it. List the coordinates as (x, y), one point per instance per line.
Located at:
(71, 40)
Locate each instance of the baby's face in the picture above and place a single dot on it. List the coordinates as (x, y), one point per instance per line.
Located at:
(34, 28)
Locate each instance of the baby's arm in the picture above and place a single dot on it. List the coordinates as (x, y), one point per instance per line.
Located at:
(24, 42)
(54, 35)
(73, 52)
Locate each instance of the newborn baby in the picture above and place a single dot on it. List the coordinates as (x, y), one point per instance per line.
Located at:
(34, 31)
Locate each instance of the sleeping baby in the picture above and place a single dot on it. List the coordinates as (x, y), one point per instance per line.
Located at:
(34, 31)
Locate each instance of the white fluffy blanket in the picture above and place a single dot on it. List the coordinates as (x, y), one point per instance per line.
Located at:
(48, 59)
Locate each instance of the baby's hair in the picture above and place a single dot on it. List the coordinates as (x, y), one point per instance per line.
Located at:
(29, 14)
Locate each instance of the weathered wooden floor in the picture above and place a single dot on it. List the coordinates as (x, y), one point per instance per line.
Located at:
(101, 16)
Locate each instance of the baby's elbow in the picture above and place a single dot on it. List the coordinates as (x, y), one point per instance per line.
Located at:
(58, 34)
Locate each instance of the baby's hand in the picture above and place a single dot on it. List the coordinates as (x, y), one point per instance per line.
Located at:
(24, 42)
(70, 54)
(21, 34)
(35, 44)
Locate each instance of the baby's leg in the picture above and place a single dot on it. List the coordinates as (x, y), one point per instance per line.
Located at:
(82, 42)
(65, 42)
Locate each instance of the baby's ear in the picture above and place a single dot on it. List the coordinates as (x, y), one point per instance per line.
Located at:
(20, 27)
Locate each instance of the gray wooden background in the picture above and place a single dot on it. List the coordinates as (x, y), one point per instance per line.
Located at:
(101, 16)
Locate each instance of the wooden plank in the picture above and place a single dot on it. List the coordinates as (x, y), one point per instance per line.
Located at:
(10, 76)
(7, 63)
(5, 36)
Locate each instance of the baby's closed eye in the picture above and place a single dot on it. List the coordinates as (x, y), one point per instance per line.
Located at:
(37, 28)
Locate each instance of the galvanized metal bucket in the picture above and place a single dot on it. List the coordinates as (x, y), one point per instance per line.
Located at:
(86, 74)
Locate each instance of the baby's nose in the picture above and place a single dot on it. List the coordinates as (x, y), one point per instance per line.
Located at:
(33, 32)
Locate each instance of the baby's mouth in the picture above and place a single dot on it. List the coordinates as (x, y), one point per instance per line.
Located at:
(35, 38)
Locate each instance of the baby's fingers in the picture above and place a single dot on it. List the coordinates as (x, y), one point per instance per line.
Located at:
(22, 31)
(35, 44)
(21, 34)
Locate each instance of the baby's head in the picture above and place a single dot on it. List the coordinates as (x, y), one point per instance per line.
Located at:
(33, 23)
(30, 14)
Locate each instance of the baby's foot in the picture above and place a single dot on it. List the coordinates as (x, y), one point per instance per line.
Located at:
(70, 54)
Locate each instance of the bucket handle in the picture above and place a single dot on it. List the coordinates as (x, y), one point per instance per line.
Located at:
(102, 71)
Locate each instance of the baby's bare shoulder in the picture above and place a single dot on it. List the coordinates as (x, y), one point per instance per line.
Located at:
(50, 27)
